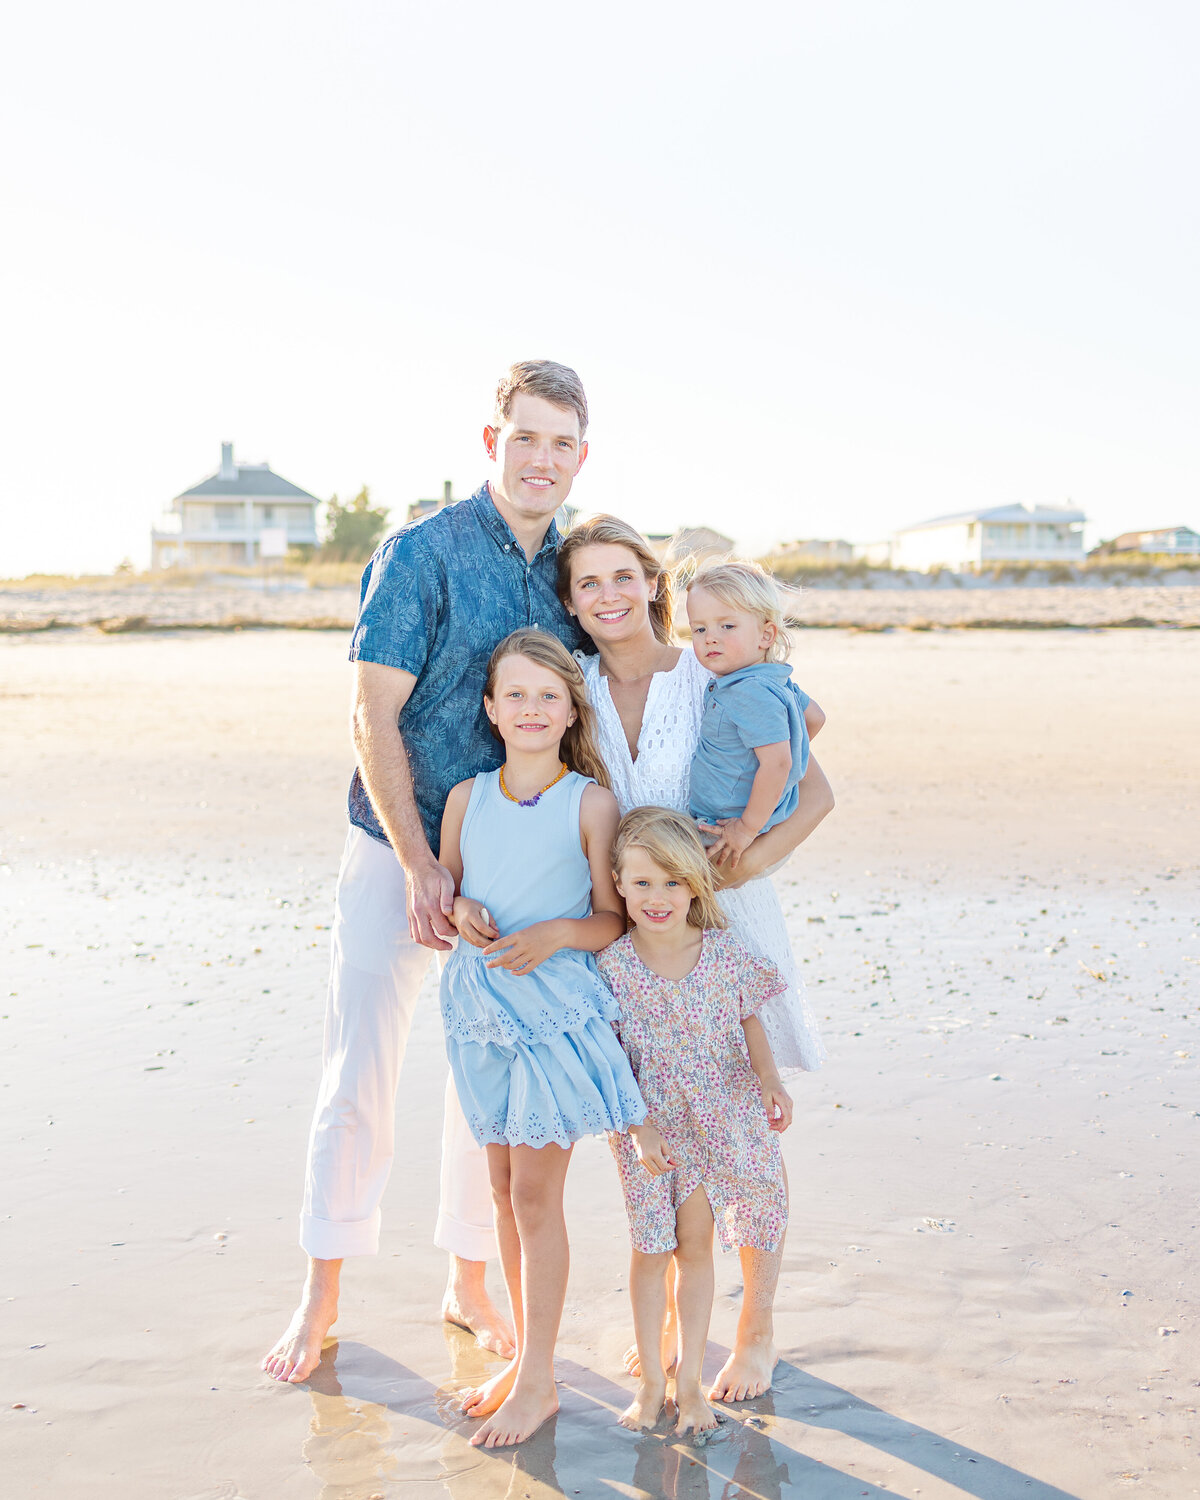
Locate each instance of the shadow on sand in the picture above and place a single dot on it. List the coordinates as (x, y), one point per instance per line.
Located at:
(378, 1429)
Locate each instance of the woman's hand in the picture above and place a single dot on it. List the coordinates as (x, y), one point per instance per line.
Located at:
(521, 952)
(651, 1149)
(474, 922)
(777, 1102)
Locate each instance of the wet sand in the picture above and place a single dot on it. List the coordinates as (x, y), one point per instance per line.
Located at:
(989, 1280)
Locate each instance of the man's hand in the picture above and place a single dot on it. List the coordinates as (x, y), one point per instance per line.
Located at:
(430, 906)
(651, 1149)
(733, 838)
(777, 1102)
(521, 952)
(474, 922)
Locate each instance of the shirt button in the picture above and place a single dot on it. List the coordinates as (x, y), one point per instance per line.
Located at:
(508, 546)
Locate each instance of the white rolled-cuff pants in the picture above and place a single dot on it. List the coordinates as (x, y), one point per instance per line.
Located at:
(375, 972)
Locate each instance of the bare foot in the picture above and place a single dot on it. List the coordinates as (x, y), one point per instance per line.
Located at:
(644, 1410)
(670, 1344)
(695, 1414)
(746, 1373)
(478, 1315)
(484, 1399)
(298, 1352)
(518, 1418)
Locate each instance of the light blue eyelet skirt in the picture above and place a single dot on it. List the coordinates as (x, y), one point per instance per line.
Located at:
(535, 1059)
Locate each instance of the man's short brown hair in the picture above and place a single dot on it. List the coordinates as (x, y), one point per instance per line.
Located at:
(553, 382)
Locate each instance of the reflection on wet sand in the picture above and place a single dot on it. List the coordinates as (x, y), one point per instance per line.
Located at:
(378, 1429)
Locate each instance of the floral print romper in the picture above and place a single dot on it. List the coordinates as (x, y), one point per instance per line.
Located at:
(688, 1052)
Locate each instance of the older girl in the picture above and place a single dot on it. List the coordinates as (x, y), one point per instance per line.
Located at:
(527, 1019)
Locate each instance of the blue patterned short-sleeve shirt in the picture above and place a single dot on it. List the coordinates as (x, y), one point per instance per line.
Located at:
(437, 598)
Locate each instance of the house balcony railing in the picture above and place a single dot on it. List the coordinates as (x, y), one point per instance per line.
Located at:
(296, 535)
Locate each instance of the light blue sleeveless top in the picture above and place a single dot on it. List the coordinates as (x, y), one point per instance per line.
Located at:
(534, 1056)
(550, 877)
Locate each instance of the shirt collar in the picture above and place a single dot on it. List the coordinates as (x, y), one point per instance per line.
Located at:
(778, 670)
(500, 531)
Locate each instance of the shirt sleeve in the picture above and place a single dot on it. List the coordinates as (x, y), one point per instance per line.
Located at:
(401, 602)
(759, 717)
(758, 981)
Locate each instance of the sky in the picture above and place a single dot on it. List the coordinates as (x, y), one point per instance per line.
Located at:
(826, 269)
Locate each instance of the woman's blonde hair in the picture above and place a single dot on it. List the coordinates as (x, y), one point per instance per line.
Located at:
(611, 531)
(746, 585)
(673, 844)
(579, 749)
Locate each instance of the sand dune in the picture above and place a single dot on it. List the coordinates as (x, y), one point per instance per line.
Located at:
(143, 607)
(989, 1281)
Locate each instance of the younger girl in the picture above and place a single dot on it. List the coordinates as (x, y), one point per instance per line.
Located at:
(688, 992)
(528, 1022)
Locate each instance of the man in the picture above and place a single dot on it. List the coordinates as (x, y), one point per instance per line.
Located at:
(436, 599)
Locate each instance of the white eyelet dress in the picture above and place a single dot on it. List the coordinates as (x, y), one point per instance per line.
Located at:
(659, 777)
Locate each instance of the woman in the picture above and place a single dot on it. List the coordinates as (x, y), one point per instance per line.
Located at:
(648, 695)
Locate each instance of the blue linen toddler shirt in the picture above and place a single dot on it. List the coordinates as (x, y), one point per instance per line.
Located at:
(756, 705)
(437, 598)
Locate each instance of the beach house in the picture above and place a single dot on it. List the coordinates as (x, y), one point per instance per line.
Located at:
(220, 521)
(976, 538)
(1168, 541)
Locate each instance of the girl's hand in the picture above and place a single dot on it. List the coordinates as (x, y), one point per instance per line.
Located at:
(777, 1102)
(521, 952)
(651, 1149)
(474, 922)
(733, 838)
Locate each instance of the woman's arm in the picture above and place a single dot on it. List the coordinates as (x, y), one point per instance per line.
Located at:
(814, 718)
(816, 802)
(521, 952)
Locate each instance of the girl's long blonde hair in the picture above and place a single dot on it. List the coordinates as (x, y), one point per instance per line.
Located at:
(673, 844)
(611, 531)
(579, 748)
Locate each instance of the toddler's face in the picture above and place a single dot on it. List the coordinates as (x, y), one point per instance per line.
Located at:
(656, 900)
(725, 639)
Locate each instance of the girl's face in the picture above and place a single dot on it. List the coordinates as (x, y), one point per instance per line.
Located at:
(656, 900)
(532, 707)
(609, 593)
(723, 637)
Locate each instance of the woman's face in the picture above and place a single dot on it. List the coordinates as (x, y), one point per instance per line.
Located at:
(610, 594)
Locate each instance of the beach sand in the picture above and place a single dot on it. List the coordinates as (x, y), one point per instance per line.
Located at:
(989, 1283)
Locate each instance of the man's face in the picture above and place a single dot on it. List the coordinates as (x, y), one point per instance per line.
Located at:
(538, 453)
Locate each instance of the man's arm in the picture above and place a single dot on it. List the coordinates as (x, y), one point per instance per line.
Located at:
(816, 802)
(379, 694)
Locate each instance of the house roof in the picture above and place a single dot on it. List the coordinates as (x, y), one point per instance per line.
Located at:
(249, 480)
(1044, 513)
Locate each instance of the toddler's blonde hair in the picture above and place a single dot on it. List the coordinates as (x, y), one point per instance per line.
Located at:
(746, 585)
(673, 844)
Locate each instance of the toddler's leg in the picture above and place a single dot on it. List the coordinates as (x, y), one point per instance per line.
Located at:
(648, 1293)
(694, 1294)
(535, 1193)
